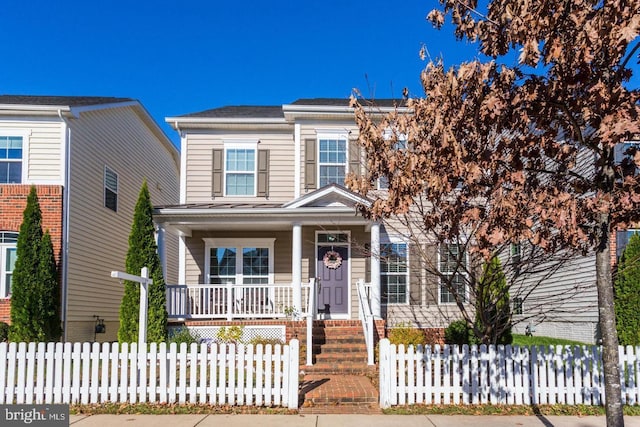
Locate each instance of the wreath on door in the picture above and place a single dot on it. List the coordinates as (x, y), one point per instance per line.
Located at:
(332, 259)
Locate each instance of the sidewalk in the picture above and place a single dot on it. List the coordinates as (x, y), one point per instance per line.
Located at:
(339, 421)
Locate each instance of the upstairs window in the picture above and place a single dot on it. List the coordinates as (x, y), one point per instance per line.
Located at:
(11, 148)
(110, 189)
(240, 171)
(453, 266)
(8, 256)
(332, 164)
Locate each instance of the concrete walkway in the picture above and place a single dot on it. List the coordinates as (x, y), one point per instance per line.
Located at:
(333, 420)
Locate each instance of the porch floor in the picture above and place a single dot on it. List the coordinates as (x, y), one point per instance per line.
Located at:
(338, 394)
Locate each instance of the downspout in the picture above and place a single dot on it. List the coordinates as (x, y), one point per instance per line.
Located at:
(65, 227)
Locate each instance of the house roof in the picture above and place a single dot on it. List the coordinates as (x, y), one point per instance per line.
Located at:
(67, 101)
(277, 111)
(240, 111)
(344, 102)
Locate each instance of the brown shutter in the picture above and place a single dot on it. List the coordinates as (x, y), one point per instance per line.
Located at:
(432, 282)
(217, 170)
(263, 173)
(354, 157)
(415, 274)
(310, 164)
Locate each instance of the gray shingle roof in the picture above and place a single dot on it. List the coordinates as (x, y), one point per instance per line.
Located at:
(241, 111)
(70, 101)
(344, 102)
(275, 111)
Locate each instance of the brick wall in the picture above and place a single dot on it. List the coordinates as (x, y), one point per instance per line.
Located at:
(13, 200)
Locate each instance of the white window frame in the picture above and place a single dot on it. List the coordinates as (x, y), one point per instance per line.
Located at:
(464, 275)
(240, 145)
(24, 134)
(104, 189)
(392, 241)
(4, 249)
(338, 135)
(238, 244)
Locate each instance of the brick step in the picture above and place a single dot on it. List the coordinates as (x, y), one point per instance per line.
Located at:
(334, 347)
(347, 367)
(338, 394)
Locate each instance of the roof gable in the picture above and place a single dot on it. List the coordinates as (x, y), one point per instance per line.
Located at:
(331, 195)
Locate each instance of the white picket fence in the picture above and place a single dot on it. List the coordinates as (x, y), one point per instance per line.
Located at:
(84, 373)
(501, 375)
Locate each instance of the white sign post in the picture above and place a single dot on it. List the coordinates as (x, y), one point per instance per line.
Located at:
(144, 281)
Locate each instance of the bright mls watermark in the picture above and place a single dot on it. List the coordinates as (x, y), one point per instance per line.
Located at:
(34, 415)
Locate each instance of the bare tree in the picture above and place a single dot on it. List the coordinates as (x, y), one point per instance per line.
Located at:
(525, 151)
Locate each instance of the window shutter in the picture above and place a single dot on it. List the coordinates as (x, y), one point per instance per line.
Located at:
(310, 164)
(431, 282)
(217, 172)
(415, 274)
(354, 157)
(263, 173)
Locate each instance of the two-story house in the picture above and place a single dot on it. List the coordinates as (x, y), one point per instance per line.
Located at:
(264, 218)
(87, 157)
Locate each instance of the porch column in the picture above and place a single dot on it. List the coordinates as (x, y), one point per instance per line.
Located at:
(296, 265)
(375, 270)
(162, 253)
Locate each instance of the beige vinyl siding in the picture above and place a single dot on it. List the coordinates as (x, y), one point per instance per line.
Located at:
(98, 237)
(45, 139)
(199, 164)
(571, 292)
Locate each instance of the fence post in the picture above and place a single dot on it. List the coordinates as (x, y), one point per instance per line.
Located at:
(229, 301)
(385, 373)
(294, 370)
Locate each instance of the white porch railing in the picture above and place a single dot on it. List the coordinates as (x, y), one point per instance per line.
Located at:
(366, 316)
(231, 301)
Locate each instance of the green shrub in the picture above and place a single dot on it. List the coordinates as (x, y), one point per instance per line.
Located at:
(4, 331)
(407, 335)
(458, 332)
(627, 294)
(183, 335)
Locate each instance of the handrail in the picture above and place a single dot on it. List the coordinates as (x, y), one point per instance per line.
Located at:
(311, 310)
(366, 316)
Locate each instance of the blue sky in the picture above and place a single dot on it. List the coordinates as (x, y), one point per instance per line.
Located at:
(183, 57)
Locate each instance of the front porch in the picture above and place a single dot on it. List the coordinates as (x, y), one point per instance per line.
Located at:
(260, 306)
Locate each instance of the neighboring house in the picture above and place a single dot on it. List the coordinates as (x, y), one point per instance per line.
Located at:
(87, 157)
(263, 212)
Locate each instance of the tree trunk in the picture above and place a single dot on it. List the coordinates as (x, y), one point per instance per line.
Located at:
(607, 322)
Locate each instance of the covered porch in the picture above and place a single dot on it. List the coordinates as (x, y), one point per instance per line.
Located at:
(265, 261)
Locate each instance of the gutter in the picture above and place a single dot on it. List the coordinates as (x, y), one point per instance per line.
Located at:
(65, 227)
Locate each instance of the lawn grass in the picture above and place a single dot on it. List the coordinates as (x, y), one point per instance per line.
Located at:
(524, 340)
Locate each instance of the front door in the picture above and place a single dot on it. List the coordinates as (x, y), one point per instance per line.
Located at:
(333, 274)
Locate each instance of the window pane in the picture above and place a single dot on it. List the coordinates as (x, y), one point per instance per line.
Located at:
(242, 160)
(222, 265)
(255, 262)
(452, 259)
(331, 175)
(457, 285)
(240, 184)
